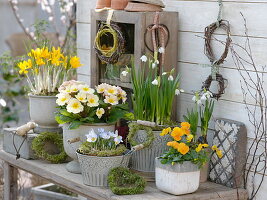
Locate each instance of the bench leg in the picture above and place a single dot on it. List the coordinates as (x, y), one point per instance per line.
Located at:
(10, 182)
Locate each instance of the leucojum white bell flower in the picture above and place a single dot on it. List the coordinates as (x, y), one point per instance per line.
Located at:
(91, 136)
(178, 91)
(161, 50)
(124, 73)
(143, 58)
(155, 82)
(170, 78)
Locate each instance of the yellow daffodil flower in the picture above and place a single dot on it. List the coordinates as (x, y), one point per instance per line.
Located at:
(24, 66)
(75, 62)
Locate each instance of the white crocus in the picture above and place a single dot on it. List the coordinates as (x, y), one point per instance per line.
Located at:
(104, 135)
(155, 82)
(62, 99)
(82, 97)
(113, 100)
(118, 140)
(113, 134)
(74, 106)
(100, 112)
(143, 58)
(93, 100)
(161, 50)
(92, 136)
(124, 73)
(86, 89)
(170, 78)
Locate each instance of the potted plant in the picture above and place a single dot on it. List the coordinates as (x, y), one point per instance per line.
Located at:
(182, 162)
(100, 153)
(153, 96)
(46, 69)
(82, 109)
(204, 105)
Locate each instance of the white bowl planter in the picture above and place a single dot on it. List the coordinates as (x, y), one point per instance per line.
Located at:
(144, 159)
(42, 111)
(177, 179)
(80, 132)
(95, 169)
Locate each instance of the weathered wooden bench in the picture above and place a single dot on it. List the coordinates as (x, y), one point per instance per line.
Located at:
(57, 174)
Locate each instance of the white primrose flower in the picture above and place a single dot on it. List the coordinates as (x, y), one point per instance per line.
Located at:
(86, 89)
(124, 73)
(100, 112)
(144, 58)
(62, 98)
(155, 82)
(161, 50)
(92, 100)
(74, 106)
(111, 90)
(82, 97)
(112, 99)
(102, 88)
(170, 78)
(74, 88)
(91, 136)
(118, 140)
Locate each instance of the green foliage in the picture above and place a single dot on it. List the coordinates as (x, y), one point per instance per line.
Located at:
(192, 118)
(87, 149)
(38, 146)
(205, 116)
(12, 87)
(153, 102)
(124, 182)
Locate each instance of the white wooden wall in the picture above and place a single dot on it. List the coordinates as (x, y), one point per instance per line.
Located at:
(194, 16)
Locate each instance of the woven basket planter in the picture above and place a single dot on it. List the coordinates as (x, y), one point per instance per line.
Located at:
(95, 169)
(144, 159)
(169, 177)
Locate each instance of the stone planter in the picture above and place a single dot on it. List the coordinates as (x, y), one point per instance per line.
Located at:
(49, 192)
(125, 79)
(177, 179)
(95, 169)
(80, 132)
(42, 111)
(144, 159)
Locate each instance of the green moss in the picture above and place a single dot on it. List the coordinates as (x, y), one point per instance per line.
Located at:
(124, 182)
(87, 150)
(39, 142)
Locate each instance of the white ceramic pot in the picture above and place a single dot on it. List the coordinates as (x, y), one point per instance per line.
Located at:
(95, 169)
(144, 159)
(177, 179)
(80, 132)
(42, 111)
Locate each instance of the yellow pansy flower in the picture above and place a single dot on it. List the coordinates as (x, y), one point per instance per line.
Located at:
(177, 133)
(219, 153)
(165, 131)
(189, 138)
(214, 148)
(183, 148)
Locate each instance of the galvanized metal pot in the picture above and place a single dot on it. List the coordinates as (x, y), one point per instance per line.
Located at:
(95, 169)
(144, 159)
(70, 149)
(177, 179)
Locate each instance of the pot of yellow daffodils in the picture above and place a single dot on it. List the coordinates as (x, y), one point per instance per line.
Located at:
(182, 162)
(83, 109)
(45, 70)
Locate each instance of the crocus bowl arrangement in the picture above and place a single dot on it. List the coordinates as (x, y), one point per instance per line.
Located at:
(100, 153)
(82, 109)
(182, 162)
(45, 70)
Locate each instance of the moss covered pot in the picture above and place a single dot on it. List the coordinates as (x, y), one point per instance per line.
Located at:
(177, 179)
(95, 169)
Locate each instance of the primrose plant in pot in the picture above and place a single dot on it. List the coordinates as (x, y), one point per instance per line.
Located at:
(83, 109)
(182, 162)
(153, 95)
(45, 70)
(100, 153)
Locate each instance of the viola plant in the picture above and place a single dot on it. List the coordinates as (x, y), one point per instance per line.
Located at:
(80, 104)
(185, 147)
(153, 92)
(46, 69)
(102, 143)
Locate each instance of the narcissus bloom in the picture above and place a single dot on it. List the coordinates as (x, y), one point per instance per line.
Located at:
(75, 62)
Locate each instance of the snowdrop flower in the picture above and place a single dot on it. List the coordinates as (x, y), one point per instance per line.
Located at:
(143, 58)
(164, 73)
(154, 65)
(62, 98)
(74, 106)
(208, 94)
(92, 100)
(100, 112)
(161, 50)
(92, 136)
(124, 73)
(2, 102)
(203, 97)
(196, 99)
(118, 140)
(155, 82)
(170, 78)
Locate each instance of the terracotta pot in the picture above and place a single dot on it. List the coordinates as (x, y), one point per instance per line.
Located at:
(119, 4)
(103, 4)
(204, 173)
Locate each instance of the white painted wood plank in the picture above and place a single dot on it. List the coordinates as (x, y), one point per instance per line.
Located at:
(83, 36)
(84, 78)
(83, 10)
(85, 60)
(196, 15)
